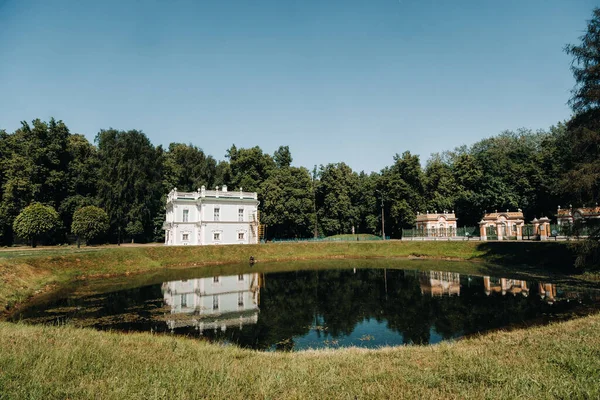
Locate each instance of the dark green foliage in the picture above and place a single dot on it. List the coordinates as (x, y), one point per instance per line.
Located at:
(403, 188)
(586, 67)
(283, 157)
(36, 221)
(336, 199)
(34, 168)
(581, 178)
(90, 223)
(187, 168)
(130, 186)
(249, 168)
(287, 203)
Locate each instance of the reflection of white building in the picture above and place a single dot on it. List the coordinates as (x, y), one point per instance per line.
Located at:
(211, 217)
(439, 283)
(215, 302)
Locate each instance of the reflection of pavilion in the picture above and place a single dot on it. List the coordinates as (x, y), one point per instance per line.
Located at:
(547, 291)
(211, 303)
(504, 285)
(439, 283)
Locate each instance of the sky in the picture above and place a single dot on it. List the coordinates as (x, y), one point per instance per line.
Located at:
(356, 81)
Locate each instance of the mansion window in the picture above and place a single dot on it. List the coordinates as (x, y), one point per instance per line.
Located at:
(216, 279)
(240, 299)
(240, 277)
(240, 235)
(217, 236)
(186, 215)
(185, 236)
(184, 300)
(241, 215)
(217, 213)
(215, 302)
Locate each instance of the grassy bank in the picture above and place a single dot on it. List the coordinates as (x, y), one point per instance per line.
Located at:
(555, 361)
(23, 273)
(560, 360)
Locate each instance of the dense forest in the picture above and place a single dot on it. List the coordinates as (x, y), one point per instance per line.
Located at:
(129, 177)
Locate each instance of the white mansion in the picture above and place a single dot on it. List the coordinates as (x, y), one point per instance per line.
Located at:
(211, 217)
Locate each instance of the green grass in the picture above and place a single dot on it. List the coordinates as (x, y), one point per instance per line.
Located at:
(26, 272)
(557, 361)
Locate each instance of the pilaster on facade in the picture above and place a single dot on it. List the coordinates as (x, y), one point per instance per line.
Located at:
(502, 225)
(211, 217)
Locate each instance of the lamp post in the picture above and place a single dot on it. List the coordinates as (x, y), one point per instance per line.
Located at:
(382, 216)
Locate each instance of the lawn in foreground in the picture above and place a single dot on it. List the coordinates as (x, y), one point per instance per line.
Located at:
(556, 361)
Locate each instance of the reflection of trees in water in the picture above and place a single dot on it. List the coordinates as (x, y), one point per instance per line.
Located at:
(332, 303)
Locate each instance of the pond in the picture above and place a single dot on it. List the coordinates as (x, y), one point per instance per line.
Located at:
(317, 308)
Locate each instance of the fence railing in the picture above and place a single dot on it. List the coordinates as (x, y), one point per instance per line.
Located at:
(349, 238)
(464, 232)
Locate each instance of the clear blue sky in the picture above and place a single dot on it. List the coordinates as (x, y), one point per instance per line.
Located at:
(354, 81)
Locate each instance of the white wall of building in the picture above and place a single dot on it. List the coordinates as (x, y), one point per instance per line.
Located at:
(211, 217)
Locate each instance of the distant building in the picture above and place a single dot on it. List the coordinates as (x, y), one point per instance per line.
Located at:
(502, 225)
(436, 224)
(211, 217)
(568, 216)
(217, 302)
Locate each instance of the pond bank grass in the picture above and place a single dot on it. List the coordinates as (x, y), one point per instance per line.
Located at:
(561, 360)
(23, 273)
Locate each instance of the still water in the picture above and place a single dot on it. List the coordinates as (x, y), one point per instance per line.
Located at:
(363, 307)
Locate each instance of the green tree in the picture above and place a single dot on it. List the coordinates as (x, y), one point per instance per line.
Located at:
(90, 223)
(130, 186)
(249, 168)
(336, 203)
(582, 176)
(402, 188)
(283, 157)
(34, 166)
(187, 168)
(82, 177)
(36, 221)
(586, 67)
(288, 203)
(440, 186)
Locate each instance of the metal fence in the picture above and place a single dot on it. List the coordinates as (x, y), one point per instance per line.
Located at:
(464, 232)
(348, 238)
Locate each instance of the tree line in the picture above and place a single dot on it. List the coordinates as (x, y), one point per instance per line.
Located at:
(128, 177)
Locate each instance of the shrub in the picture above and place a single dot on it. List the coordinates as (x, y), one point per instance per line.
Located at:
(90, 223)
(35, 221)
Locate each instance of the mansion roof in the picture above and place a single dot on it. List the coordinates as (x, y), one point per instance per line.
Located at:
(211, 194)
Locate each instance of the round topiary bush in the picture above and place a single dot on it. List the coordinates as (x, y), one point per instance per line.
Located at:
(90, 223)
(35, 221)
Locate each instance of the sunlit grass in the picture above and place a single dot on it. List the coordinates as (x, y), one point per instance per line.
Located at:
(557, 361)
(24, 272)
(561, 360)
